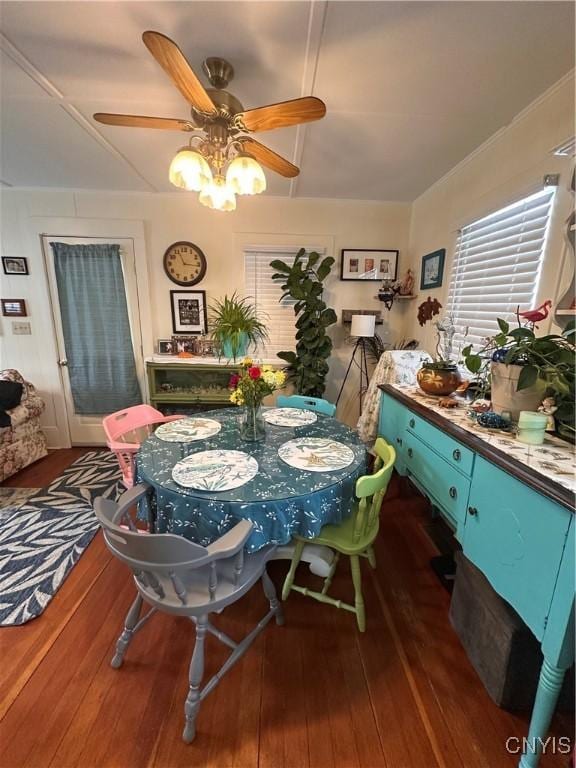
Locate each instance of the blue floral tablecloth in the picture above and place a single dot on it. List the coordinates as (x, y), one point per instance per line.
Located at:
(280, 501)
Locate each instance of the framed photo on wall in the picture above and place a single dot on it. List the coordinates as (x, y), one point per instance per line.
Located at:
(15, 265)
(366, 264)
(432, 269)
(188, 311)
(14, 308)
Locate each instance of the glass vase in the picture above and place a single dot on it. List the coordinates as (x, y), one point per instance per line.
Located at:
(252, 425)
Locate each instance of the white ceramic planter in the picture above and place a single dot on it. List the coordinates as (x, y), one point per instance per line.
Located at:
(505, 396)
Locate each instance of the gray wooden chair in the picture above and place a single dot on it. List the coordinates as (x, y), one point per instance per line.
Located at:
(176, 576)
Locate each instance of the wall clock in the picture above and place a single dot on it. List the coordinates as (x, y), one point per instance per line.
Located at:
(184, 263)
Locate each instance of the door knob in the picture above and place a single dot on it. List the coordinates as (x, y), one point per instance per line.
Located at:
(457, 455)
(412, 423)
(410, 452)
(62, 363)
(472, 511)
(453, 492)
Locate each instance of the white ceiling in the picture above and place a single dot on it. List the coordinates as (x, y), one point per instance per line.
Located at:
(410, 87)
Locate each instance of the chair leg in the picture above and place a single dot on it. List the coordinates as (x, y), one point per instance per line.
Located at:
(371, 556)
(358, 599)
(195, 674)
(289, 580)
(270, 592)
(127, 633)
(331, 572)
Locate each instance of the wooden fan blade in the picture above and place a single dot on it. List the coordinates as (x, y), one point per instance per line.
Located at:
(142, 121)
(173, 62)
(269, 158)
(283, 114)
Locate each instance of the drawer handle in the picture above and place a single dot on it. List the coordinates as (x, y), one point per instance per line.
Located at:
(412, 423)
(457, 455)
(453, 492)
(410, 452)
(399, 440)
(472, 511)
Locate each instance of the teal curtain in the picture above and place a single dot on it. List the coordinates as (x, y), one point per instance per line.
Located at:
(96, 327)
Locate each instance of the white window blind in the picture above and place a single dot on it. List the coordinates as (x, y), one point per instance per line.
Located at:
(265, 293)
(497, 265)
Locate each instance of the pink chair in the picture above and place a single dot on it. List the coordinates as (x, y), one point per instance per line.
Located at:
(119, 425)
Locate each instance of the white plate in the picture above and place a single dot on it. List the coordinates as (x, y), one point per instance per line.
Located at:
(316, 454)
(215, 470)
(289, 417)
(187, 430)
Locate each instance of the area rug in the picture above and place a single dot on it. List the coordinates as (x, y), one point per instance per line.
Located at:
(44, 532)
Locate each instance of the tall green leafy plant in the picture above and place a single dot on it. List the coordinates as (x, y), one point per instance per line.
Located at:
(303, 281)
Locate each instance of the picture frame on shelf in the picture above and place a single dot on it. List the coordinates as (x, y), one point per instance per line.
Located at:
(432, 269)
(369, 264)
(15, 265)
(14, 307)
(188, 312)
(187, 344)
(166, 347)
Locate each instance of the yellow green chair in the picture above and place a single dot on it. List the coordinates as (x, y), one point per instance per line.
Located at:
(354, 537)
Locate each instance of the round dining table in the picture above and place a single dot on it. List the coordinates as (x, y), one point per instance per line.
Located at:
(280, 500)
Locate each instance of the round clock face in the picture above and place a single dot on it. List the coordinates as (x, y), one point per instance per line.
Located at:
(184, 263)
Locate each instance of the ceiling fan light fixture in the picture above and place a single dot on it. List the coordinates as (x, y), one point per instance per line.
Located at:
(218, 196)
(189, 170)
(245, 176)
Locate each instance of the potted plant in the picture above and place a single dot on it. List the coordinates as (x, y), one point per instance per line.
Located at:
(523, 368)
(302, 281)
(441, 376)
(234, 325)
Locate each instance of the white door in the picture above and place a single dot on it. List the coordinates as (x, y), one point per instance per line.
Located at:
(86, 429)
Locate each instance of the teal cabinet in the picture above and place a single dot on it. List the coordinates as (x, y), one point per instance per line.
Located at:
(519, 531)
(510, 534)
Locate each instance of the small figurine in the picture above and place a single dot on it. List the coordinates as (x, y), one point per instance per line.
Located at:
(406, 286)
(549, 407)
(480, 405)
(448, 402)
(534, 316)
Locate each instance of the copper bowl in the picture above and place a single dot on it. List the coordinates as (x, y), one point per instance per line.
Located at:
(438, 381)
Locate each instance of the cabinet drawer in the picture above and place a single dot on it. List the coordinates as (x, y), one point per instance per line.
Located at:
(447, 488)
(453, 451)
(517, 538)
(392, 426)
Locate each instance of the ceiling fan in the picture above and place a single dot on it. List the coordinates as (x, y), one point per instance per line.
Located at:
(221, 125)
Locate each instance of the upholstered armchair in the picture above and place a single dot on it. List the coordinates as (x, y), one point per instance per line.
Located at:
(22, 442)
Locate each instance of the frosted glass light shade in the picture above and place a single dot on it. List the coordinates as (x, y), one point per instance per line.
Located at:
(245, 176)
(189, 170)
(218, 196)
(363, 325)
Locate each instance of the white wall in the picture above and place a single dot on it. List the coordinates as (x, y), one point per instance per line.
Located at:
(178, 216)
(507, 167)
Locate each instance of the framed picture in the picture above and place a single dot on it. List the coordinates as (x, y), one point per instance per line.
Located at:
(15, 265)
(14, 307)
(187, 344)
(432, 269)
(364, 264)
(166, 347)
(188, 311)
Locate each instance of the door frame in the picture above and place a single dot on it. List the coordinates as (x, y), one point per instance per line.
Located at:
(55, 227)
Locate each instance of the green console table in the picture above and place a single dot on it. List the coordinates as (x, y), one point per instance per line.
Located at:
(512, 509)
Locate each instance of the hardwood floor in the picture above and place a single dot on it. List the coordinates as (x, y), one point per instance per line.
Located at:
(315, 693)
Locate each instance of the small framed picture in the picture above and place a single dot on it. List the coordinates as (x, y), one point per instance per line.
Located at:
(166, 347)
(188, 344)
(15, 265)
(188, 311)
(432, 269)
(364, 264)
(13, 307)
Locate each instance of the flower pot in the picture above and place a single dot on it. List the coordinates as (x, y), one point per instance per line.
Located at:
(436, 380)
(252, 425)
(505, 395)
(231, 353)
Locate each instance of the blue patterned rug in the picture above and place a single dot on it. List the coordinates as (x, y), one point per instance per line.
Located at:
(44, 532)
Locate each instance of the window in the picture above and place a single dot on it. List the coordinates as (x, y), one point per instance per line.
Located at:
(265, 293)
(497, 265)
